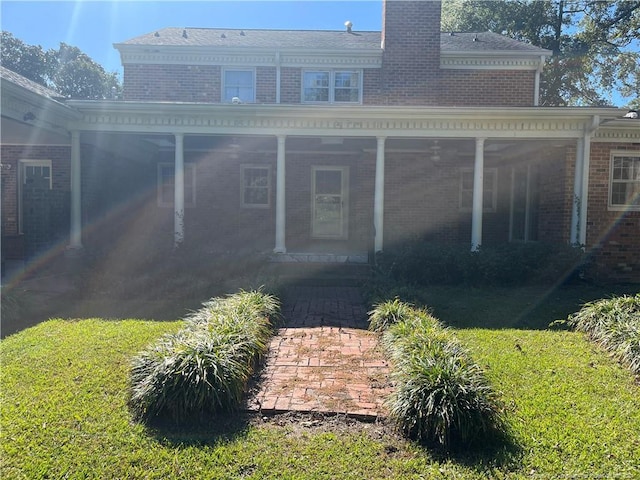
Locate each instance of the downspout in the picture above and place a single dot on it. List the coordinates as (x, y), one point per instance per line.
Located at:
(536, 89)
(278, 76)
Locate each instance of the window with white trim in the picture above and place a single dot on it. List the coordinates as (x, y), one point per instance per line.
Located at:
(624, 181)
(490, 190)
(256, 186)
(166, 182)
(240, 84)
(332, 86)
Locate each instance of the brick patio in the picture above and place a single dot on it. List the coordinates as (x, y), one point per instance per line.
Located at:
(324, 359)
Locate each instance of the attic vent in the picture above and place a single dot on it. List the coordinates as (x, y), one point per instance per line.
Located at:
(184, 34)
(156, 34)
(452, 34)
(475, 39)
(348, 25)
(242, 34)
(223, 36)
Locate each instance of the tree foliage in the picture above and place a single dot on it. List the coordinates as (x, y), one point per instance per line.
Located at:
(66, 70)
(595, 44)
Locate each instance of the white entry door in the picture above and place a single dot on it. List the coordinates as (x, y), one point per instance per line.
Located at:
(330, 202)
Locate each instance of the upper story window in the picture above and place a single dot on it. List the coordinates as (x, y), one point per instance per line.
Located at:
(332, 86)
(240, 84)
(490, 190)
(624, 183)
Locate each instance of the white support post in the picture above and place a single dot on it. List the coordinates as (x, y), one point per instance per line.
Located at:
(75, 234)
(584, 198)
(280, 196)
(378, 197)
(527, 206)
(178, 192)
(512, 197)
(478, 194)
(577, 194)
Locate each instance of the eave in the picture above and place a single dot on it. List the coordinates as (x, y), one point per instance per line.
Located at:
(348, 121)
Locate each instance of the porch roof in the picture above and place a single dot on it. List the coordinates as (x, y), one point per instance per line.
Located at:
(349, 121)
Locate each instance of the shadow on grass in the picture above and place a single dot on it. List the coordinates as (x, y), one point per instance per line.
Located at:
(209, 429)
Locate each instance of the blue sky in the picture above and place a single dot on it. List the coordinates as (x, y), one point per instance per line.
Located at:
(94, 26)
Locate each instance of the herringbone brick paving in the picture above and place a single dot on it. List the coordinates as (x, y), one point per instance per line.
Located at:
(324, 359)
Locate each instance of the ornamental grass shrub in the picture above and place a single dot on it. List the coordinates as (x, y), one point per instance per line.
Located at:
(204, 368)
(615, 325)
(441, 397)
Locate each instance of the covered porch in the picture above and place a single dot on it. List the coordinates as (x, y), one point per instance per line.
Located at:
(337, 184)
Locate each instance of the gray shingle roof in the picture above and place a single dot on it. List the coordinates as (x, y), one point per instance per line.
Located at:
(30, 85)
(485, 41)
(233, 38)
(318, 40)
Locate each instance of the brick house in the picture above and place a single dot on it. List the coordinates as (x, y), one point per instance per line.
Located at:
(322, 145)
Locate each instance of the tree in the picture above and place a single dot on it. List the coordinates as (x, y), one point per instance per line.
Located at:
(66, 70)
(595, 45)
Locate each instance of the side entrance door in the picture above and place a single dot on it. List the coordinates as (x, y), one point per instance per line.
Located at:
(330, 202)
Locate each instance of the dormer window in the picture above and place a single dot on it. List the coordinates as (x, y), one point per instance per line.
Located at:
(239, 84)
(332, 86)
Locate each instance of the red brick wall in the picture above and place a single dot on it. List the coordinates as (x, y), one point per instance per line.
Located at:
(177, 83)
(411, 57)
(614, 236)
(60, 157)
(487, 88)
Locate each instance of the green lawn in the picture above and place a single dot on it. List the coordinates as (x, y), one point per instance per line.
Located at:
(573, 412)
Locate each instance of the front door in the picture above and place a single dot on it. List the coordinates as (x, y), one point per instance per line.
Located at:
(329, 209)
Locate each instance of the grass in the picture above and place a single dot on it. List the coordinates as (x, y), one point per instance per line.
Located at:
(574, 412)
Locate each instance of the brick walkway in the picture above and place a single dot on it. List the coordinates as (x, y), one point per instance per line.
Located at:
(324, 360)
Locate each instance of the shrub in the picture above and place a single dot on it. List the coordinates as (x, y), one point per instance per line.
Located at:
(441, 396)
(424, 263)
(615, 325)
(205, 367)
(389, 313)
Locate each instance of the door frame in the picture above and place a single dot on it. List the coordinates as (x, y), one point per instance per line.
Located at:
(344, 193)
(22, 175)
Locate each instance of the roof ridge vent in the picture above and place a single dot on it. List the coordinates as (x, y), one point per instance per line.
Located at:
(349, 25)
(242, 34)
(157, 34)
(184, 33)
(223, 35)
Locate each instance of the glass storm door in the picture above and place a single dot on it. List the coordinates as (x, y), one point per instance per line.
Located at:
(329, 202)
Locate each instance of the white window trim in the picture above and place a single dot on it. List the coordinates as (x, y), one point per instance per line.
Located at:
(493, 172)
(233, 69)
(189, 178)
(22, 164)
(613, 154)
(242, 185)
(332, 84)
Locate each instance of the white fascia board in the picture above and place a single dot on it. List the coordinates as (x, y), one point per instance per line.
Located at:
(505, 60)
(49, 113)
(351, 121)
(205, 55)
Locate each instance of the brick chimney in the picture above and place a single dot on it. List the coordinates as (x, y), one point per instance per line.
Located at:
(411, 51)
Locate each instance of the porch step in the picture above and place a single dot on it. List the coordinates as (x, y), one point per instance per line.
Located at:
(347, 258)
(325, 271)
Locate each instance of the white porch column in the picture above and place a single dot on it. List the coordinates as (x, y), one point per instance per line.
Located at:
(378, 197)
(178, 192)
(584, 197)
(577, 194)
(75, 234)
(280, 197)
(478, 194)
